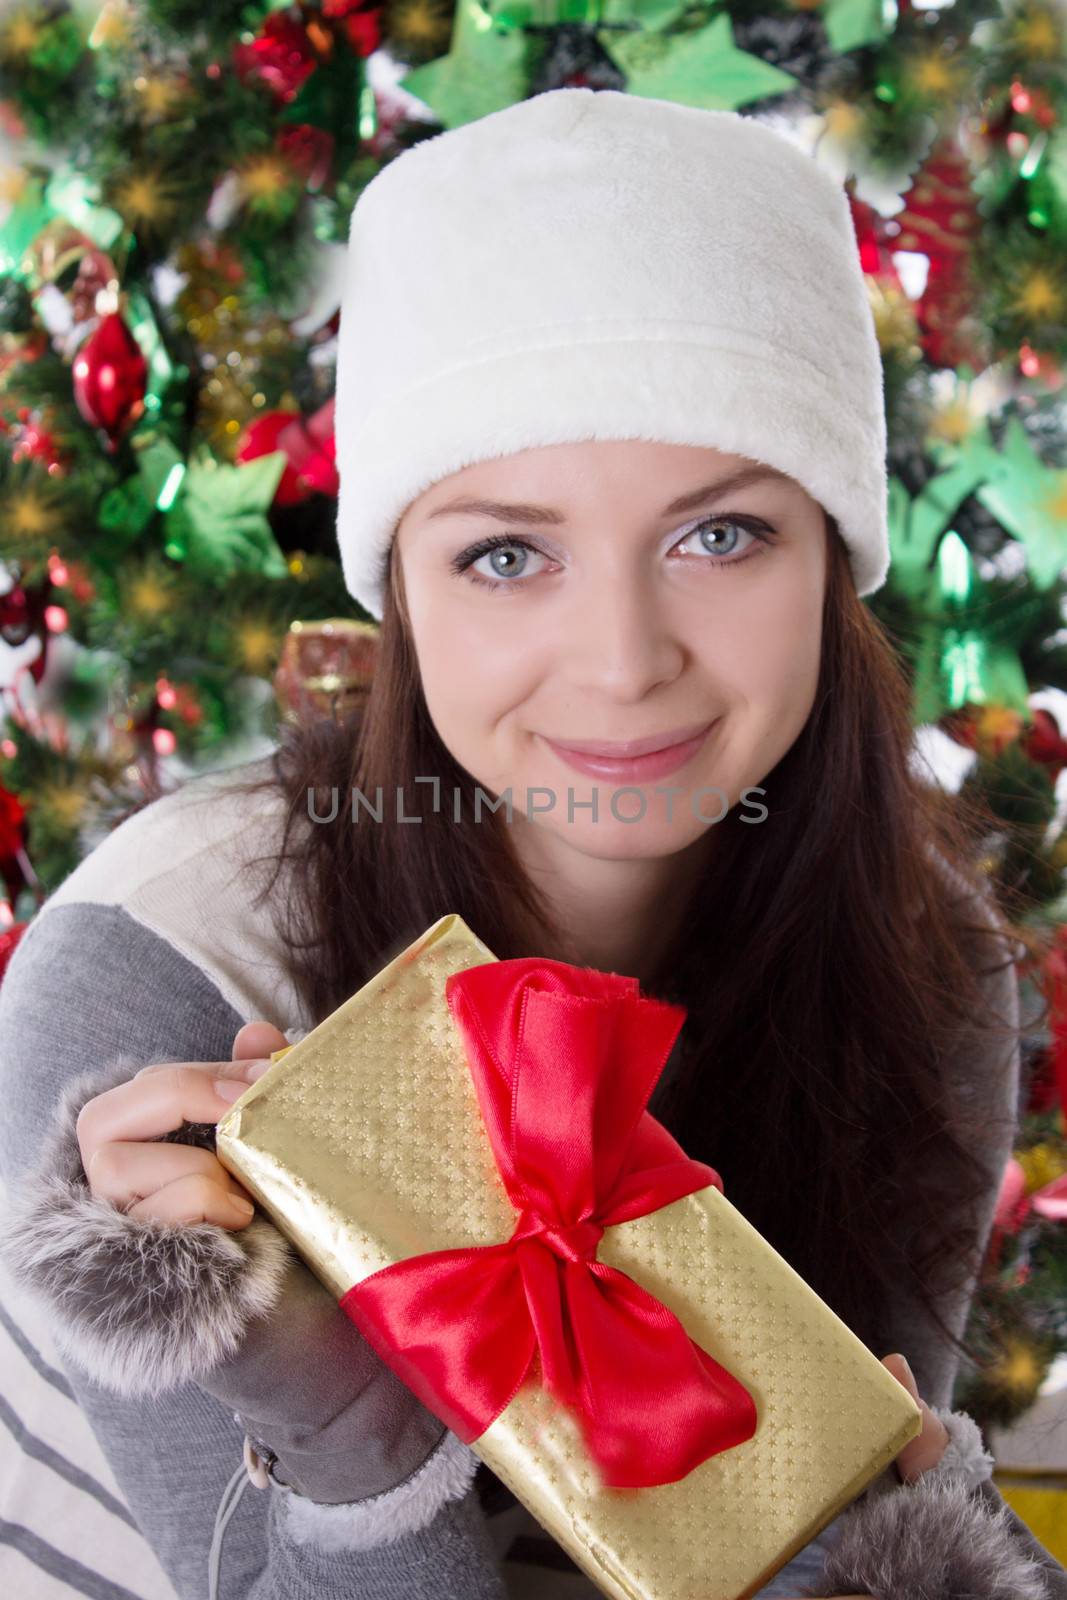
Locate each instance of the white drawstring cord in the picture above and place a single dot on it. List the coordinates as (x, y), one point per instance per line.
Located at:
(227, 1506)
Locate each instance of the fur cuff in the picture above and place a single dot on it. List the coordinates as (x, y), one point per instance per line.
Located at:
(966, 1459)
(445, 1475)
(934, 1539)
(139, 1306)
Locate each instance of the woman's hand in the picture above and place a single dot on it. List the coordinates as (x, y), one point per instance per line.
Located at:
(926, 1450)
(119, 1133)
(919, 1453)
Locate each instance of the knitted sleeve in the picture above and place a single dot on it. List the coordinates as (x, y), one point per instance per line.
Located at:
(89, 996)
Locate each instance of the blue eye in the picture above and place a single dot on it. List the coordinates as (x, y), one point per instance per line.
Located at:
(463, 563)
(725, 522)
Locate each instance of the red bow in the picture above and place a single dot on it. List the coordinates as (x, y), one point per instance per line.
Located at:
(563, 1060)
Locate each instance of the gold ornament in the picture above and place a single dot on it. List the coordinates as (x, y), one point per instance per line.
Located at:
(65, 803)
(21, 34)
(1019, 1372)
(1040, 296)
(30, 520)
(157, 96)
(1042, 1164)
(895, 322)
(111, 29)
(148, 594)
(421, 26)
(144, 199)
(326, 668)
(266, 182)
(934, 75)
(257, 647)
(1039, 33)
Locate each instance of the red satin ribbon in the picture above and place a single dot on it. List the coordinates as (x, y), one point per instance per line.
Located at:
(563, 1060)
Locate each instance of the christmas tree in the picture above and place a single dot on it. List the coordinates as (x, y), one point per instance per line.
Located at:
(175, 189)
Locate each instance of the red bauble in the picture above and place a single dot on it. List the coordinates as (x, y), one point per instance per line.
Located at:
(310, 445)
(110, 376)
(308, 150)
(12, 820)
(9, 942)
(281, 54)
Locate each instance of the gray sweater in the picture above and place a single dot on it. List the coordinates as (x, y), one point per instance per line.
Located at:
(151, 951)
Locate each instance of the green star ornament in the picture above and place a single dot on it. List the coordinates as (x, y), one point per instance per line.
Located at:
(218, 524)
(700, 67)
(485, 69)
(1030, 500)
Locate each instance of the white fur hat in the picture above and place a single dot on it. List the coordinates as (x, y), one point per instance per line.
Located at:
(588, 264)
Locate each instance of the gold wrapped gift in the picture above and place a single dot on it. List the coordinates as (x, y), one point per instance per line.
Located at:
(366, 1144)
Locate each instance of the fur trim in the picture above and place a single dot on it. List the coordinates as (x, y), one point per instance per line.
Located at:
(139, 1306)
(446, 1474)
(966, 1459)
(934, 1539)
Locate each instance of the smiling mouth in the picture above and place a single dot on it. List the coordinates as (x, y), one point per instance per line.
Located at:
(629, 749)
(646, 767)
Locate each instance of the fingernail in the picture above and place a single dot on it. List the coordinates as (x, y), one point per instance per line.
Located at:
(255, 1069)
(228, 1089)
(906, 1364)
(244, 1208)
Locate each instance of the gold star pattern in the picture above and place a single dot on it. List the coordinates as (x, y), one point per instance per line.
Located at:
(1019, 1371)
(148, 597)
(934, 76)
(267, 184)
(22, 34)
(144, 199)
(1038, 33)
(895, 322)
(258, 645)
(1040, 296)
(29, 521)
(424, 26)
(158, 96)
(64, 803)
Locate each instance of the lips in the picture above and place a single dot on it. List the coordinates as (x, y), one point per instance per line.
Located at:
(632, 747)
(633, 768)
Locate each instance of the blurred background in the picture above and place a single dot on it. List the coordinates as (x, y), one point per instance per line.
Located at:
(176, 182)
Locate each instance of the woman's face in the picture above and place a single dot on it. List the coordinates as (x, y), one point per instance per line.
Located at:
(611, 611)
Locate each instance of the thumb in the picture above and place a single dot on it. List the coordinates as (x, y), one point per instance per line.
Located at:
(257, 1039)
(926, 1450)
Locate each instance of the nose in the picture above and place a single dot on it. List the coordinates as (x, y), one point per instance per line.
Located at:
(621, 641)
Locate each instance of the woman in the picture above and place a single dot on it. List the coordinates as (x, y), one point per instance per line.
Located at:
(782, 873)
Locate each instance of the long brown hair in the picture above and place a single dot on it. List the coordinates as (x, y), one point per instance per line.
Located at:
(828, 963)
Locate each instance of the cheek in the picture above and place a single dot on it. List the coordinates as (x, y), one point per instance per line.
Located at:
(765, 650)
(473, 678)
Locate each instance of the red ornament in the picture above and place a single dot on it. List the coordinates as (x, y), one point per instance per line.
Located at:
(33, 443)
(874, 243)
(362, 22)
(939, 221)
(12, 817)
(1044, 743)
(110, 376)
(96, 271)
(310, 445)
(15, 619)
(282, 56)
(8, 942)
(308, 150)
(1054, 988)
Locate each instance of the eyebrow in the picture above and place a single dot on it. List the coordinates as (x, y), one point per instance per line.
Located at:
(504, 512)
